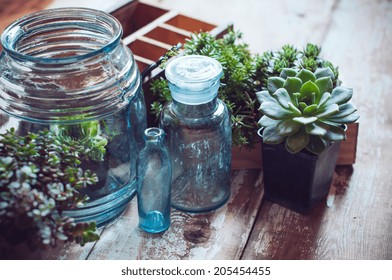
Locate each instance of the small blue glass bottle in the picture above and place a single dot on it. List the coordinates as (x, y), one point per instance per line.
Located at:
(197, 124)
(154, 183)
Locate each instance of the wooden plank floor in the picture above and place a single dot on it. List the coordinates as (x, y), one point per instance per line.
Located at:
(356, 36)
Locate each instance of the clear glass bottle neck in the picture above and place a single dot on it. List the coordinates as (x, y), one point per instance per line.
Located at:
(195, 111)
(154, 136)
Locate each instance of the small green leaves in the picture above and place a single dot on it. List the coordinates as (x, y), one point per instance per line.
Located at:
(305, 106)
(39, 178)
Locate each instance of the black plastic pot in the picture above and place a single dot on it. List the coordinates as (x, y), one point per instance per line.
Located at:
(298, 181)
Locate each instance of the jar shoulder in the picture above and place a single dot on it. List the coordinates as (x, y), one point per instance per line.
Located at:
(169, 117)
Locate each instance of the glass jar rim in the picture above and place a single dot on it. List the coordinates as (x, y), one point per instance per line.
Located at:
(15, 31)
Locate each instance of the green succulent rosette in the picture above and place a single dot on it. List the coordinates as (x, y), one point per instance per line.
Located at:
(303, 109)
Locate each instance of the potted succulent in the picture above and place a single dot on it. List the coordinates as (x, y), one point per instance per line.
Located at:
(40, 177)
(304, 118)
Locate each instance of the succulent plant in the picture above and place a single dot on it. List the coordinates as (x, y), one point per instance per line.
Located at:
(239, 83)
(304, 110)
(39, 178)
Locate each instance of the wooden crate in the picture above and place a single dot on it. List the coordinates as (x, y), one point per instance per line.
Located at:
(149, 31)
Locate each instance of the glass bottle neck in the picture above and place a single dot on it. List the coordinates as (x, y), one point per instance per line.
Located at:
(195, 111)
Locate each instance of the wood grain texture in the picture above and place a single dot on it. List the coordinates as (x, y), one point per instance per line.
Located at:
(358, 225)
(11, 10)
(221, 234)
(355, 221)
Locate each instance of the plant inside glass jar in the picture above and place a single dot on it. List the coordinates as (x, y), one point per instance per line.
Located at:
(92, 143)
(40, 178)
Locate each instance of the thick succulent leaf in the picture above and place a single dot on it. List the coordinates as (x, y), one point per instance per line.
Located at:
(295, 110)
(309, 110)
(288, 127)
(275, 111)
(306, 75)
(296, 96)
(317, 128)
(323, 100)
(340, 95)
(327, 110)
(344, 120)
(305, 120)
(335, 134)
(324, 85)
(266, 121)
(283, 97)
(287, 72)
(271, 136)
(324, 72)
(292, 85)
(297, 142)
(308, 88)
(274, 83)
(316, 145)
(329, 122)
(345, 110)
(263, 96)
(302, 106)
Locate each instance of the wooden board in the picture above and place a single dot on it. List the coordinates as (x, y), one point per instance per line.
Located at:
(358, 223)
(221, 234)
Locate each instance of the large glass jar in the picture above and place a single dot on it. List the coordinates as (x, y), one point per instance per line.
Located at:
(198, 130)
(67, 70)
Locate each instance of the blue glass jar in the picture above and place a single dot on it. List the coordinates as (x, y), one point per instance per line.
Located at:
(198, 130)
(154, 183)
(67, 70)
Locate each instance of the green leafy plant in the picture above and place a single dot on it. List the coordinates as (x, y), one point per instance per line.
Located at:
(87, 135)
(40, 177)
(304, 110)
(273, 62)
(238, 84)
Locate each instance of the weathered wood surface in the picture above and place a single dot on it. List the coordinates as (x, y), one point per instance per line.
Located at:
(216, 235)
(356, 36)
(359, 223)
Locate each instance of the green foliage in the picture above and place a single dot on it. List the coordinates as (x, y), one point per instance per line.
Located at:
(86, 135)
(289, 57)
(246, 73)
(39, 179)
(303, 109)
(238, 84)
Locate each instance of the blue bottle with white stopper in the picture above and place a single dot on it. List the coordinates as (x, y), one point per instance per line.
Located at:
(198, 130)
